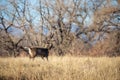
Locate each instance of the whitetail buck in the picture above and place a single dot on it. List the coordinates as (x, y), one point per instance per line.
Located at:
(33, 52)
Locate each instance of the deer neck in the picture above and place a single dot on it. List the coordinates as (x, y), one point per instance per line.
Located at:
(30, 52)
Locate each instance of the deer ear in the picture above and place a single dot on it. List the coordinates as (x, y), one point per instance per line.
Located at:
(25, 47)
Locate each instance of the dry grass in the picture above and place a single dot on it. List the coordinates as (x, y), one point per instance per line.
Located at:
(60, 68)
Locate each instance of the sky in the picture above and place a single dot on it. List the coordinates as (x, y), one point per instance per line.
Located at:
(2, 2)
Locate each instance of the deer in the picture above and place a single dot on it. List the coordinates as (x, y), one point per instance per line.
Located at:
(35, 51)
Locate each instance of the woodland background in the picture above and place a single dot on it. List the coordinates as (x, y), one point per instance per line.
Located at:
(65, 27)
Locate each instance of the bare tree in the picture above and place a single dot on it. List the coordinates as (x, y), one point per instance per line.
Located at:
(106, 22)
(58, 25)
(7, 22)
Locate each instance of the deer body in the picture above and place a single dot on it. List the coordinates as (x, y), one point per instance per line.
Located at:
(33, 52)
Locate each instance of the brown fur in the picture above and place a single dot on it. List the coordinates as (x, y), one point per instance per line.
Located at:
(22, 54)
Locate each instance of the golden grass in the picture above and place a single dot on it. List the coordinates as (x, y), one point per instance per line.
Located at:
(60, 68)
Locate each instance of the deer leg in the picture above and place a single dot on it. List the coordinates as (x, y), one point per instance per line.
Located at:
(47, 58)
(42, 57)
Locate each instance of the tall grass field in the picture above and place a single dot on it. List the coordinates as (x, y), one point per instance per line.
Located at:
(60, 68)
